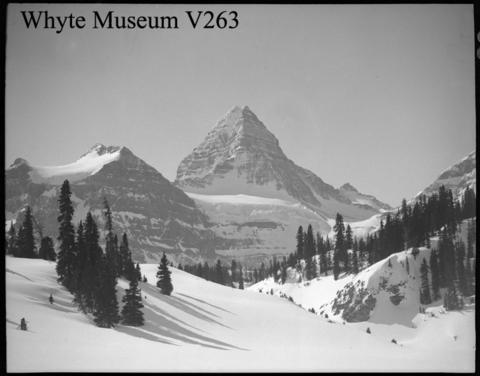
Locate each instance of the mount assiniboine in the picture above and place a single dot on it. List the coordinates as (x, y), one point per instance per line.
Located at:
(255, 194)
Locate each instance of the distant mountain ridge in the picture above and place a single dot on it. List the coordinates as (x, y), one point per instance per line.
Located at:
(458, 177)
(156, 215)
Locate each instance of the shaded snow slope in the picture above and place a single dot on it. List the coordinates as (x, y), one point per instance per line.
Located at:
(208, 327)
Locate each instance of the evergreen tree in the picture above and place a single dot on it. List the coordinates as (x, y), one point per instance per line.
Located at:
(111, 246)
(47, 251)
(340, 250)
(91, 259)
(163, 274)
(12, 241)
(425, 289)
(138, 272)
(461, 272)
(127, 265)
(26, 241)
(407, 265)
(435, 275)
(66, 255)
(219, 278)
(336, 266)
(452, 300)
(355, 262)
(240, 283)
(348, 238)
(106, 306)
(300, 244)
(131, 311)
(309, 243)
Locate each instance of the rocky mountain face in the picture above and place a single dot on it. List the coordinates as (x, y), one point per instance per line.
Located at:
(254, 194)
(241, 156)
(156, 215)
(458, 177)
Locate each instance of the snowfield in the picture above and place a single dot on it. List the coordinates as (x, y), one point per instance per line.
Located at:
(208, 327)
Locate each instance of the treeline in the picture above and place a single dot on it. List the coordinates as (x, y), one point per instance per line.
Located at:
(411, 226)
(22, 244)
(233, 275)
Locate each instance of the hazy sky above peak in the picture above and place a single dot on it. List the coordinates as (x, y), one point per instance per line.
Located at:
(381, 96)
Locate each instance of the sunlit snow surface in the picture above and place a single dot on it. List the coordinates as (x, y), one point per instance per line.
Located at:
(208, 327)
(88, 164)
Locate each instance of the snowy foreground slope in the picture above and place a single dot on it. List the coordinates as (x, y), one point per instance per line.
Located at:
(208, 327)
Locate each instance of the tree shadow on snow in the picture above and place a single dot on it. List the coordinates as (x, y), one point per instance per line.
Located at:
(204, 302)
(184, 306)
(160, 328)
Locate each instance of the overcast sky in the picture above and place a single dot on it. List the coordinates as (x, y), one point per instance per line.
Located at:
(381, 96)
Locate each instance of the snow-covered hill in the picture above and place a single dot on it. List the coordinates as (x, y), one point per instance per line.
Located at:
(208, 327)
(387, 292)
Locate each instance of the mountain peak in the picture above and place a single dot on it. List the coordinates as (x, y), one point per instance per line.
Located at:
(101, 149)
(18, 162)
(348, 187)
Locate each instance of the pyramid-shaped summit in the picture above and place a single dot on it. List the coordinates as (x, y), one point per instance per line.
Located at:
(241, 156)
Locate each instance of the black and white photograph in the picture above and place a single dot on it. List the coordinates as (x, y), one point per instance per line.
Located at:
(240, 187)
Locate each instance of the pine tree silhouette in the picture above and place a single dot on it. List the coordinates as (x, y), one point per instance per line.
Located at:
(132, 314)
(163, 274)
(66, 238)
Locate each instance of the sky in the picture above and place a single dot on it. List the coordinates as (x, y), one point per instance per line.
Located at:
(381, 96)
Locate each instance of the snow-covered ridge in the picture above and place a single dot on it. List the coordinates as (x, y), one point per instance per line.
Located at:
(88, 164)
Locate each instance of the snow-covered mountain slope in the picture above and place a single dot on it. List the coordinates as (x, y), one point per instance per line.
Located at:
(156, 215)
(88, 164)
(257, 227)
(241, 156)
(458, 177)
(358, 198)
(208, 327)
(384, 293)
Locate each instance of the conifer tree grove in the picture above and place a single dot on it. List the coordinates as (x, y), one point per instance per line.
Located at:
(163, 274)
